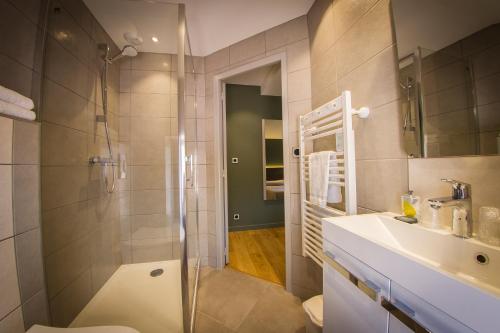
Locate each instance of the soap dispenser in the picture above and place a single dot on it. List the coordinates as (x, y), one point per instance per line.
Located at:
(410, 206)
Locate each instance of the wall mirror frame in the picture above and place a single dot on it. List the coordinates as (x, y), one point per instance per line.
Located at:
(449, 76)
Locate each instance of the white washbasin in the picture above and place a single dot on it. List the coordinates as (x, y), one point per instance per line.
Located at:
(435, 265)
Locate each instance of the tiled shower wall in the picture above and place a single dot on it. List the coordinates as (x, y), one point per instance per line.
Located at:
(23, 300)
(149, 139)
(292, 39)
(80, 220)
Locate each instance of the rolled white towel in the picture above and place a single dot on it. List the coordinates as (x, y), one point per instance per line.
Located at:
(15, 98)
(13, 110)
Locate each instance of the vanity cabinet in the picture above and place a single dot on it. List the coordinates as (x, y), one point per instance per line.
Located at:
(358, 299)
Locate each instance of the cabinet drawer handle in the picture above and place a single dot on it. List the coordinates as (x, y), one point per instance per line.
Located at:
(367, 287)
(396, 309)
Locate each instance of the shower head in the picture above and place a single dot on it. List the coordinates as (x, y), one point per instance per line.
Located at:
(127, 51)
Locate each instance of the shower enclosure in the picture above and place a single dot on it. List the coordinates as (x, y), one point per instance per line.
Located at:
(119, 190)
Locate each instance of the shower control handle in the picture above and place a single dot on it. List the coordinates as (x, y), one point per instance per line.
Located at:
(190, 175)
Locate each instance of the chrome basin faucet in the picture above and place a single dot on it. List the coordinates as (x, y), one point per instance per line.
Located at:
(461, 201)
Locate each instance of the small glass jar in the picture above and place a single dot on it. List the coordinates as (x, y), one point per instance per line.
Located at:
(410, 205)
(489, 225)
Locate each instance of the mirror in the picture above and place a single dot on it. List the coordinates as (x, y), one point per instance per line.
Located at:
(449, 76)
(272, 159)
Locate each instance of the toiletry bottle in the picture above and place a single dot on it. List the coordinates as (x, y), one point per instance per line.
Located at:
(410, 205)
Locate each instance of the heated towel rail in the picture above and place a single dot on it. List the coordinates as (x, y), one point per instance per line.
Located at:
(333, 119)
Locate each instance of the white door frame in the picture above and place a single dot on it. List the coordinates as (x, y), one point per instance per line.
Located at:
(221, 212)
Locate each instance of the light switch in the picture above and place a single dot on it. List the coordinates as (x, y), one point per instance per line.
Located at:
(235, 160)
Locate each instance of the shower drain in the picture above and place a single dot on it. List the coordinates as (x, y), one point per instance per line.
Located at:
(156, 272)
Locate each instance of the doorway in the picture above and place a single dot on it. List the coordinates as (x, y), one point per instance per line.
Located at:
(253, 165)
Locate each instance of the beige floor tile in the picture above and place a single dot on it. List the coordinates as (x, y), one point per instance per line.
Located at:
(230, 301)
(277, 312)
(206, 324)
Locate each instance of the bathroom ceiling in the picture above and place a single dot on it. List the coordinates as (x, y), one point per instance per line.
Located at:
(212, 24)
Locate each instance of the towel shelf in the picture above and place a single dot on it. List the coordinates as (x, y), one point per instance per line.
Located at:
(333, 119)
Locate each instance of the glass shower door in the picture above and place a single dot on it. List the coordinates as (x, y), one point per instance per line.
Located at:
(189, 233)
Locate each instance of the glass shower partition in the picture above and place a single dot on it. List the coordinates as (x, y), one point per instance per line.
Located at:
(126, 254)
(189, 233)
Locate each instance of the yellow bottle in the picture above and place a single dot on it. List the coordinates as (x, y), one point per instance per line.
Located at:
(410, 205)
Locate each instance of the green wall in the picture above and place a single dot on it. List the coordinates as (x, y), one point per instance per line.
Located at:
(245, 109)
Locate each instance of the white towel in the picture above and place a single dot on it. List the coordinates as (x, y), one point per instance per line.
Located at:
(320, 191)
(16, 111)
(15, 98)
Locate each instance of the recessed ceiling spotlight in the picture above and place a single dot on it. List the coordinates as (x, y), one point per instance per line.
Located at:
(155, 39)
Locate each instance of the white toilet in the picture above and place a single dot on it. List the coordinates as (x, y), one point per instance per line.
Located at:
(94, 329)
(314, 314)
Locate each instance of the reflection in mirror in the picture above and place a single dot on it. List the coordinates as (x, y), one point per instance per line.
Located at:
(272, 158)
(449, 76)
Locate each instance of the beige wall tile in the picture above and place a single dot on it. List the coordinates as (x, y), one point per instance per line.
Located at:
(487, 89)
(66, 305)
(8, 278)
(26, 197)
(148, 153)
(63, 146)
(149, 129)
(346, 13)
(372, 34)
(6, 131)
(13, 323)
(152, 61)
(35, 310)
(481, 172)
(63, 225)
(306, 273)
(152, 82)
(286, 33)
(6, 216)
(380, 183)
(321, 29)
(147, 202)
(217, 60)
(63, 107)
(324, 76)
(486, 63)
(296, 109)
(65, 75)
(298, 56)
(375, 135)
(150, 105)
(124, 102)
(29, 263)
(150, 226)
(299, 85)
(63, 267)
(247, 48)
(124, 125)
(125, 81)
(147, 250)
(375, 82)
(26, 145)
(147, 177)
(63, 185)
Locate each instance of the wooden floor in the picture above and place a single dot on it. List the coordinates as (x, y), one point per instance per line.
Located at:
(260, 253)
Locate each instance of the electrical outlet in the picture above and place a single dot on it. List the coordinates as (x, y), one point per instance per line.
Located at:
(236, 217)
(235, 160)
